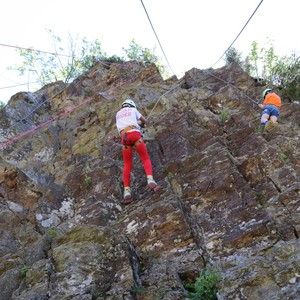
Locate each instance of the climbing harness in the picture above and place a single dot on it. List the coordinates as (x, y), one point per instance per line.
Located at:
(127, 129)
(138, 142)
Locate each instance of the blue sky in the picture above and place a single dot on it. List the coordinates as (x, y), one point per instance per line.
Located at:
(193, 33)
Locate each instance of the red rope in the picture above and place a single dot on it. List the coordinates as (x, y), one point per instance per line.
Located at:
(3, 145)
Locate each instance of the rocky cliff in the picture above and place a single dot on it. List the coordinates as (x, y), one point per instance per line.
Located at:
(230, 197)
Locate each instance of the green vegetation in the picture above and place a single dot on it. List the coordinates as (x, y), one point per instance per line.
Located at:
(74, 58)
(145, 55)
(88, 181)
(282, 156)
(224, 116)
(259, 195)
(205, 286)
(260, 129)
(268, 68)
(233, 56)
(96, 294)
(63, 64)
(159, 295)
(167, 173)
(23, 271)
(287, 76)
(53, 232)
(138, 290)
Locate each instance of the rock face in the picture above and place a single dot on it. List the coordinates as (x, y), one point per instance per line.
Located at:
(230, 197)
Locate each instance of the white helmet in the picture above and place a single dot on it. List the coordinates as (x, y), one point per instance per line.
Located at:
(128, 103)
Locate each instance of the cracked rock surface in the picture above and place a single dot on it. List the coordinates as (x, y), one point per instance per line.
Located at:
(230, 197)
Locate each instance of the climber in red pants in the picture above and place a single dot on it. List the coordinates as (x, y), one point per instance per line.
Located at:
(128, 122)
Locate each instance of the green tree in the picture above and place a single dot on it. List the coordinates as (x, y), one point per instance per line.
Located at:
(81, 55)
(261, 62)
(233, 56)
(283, 72)
(287, 76)
(49, 67)
(144, 55)
(269, 61)
(252, 61)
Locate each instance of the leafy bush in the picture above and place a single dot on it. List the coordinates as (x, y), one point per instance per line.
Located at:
(205, 287)
(114, 59)
(233, 56)
(73, 59)
(144, 55)
(51, 67)
(287, 76)
(23, 271)
(267, 67)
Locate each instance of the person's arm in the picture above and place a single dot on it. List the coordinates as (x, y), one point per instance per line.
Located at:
(265, 103)
(143, 122)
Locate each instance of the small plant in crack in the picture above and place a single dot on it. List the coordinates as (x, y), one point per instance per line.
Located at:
(283, 157)
(260, 129)
(224, 116)
(23, 271)
(167, 173)
(53, 232)
(205, 286)
(259, 195)
(88, 181)
(138, 290)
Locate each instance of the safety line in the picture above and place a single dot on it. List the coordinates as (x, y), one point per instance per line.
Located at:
(57, 54)
(29, 49)
(234, 87)
(40, 104)
(3, 145)
(239, 33)
(254, 101)
(12, 86)
(31, 112)
(157, 37)
(105, 63)
(161, 97)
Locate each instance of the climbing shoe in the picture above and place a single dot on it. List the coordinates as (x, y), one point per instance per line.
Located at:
(127, 196)
(152, 184)
(270, 126)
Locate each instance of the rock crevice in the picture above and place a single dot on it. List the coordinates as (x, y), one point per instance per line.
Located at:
(229, 199)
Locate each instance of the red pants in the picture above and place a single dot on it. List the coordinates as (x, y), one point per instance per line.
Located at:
(128, 139)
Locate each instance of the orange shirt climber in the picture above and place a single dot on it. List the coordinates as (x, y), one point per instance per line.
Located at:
(272, 99)
(271, 107)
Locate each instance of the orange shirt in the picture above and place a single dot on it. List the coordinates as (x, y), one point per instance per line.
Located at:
(273, 99)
